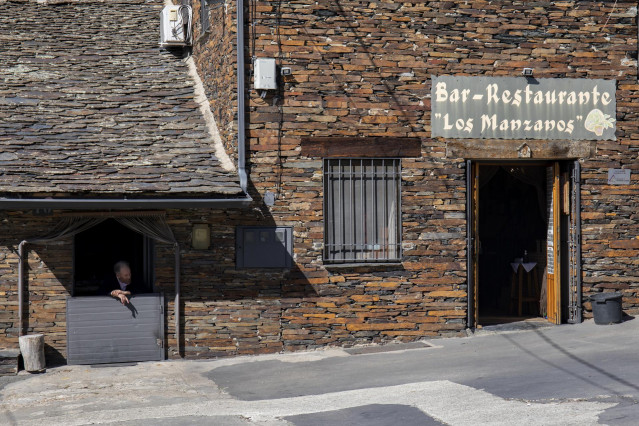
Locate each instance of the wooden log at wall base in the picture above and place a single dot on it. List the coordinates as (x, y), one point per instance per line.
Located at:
(32, 348)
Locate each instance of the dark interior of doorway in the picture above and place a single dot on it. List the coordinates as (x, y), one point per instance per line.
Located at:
(512, 226)
(97, 249)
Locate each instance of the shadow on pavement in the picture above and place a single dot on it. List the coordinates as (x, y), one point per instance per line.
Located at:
(583, 362)
(369, 415)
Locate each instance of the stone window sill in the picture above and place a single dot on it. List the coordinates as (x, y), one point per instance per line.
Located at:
(371, 265)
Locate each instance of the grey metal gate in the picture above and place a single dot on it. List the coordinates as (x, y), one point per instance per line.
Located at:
(574, 241)
(101, 330)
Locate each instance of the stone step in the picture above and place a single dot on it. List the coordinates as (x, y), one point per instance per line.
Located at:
(9, 362)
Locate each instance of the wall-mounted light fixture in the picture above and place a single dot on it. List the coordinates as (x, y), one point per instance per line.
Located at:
(528, 72)
(201, 236)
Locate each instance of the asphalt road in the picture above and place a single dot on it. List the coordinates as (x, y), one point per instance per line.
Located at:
(571, 374)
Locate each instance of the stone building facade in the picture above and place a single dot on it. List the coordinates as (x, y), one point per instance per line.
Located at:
(362, 69)
(359, 88)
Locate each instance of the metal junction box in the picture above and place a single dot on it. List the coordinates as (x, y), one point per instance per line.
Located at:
(264, 246)
(265, 74)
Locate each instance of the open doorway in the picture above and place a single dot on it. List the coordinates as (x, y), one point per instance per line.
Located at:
(513, 222)
(97, 249)
(524, 233)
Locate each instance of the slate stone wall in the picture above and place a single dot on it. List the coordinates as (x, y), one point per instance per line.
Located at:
(48, 270)
(215, 54)
(363, 69)
(225, 311)
(230, 311)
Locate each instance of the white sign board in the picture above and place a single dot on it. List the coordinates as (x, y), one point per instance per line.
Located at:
(523, 108)
(618, 176)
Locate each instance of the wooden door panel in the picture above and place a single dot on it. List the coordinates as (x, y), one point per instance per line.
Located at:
(553, 290)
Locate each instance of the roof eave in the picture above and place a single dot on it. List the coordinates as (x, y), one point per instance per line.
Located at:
(124, 204)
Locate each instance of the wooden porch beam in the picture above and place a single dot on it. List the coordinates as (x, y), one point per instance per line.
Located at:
(379, 147)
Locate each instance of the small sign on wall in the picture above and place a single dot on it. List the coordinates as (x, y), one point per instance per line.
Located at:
(618, 176)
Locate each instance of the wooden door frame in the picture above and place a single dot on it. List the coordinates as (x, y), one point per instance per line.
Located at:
(553, 281)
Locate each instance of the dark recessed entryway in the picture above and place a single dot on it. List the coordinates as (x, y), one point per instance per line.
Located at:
(96, 250)
(512, 230)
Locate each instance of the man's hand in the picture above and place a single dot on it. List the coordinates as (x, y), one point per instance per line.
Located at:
(122, 295)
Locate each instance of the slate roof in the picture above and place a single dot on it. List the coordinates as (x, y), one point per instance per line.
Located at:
(89, 104)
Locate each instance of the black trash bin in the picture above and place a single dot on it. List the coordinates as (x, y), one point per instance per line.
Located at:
(606, 308)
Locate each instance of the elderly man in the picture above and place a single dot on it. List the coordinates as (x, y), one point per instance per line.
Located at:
(121, 288)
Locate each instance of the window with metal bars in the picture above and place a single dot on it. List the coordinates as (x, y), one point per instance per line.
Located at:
(362, 210)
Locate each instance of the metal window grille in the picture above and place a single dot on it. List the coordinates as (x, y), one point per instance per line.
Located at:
(205, 20)
(362, 211)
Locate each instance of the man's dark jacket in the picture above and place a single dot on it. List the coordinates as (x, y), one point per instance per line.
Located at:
(110, 284)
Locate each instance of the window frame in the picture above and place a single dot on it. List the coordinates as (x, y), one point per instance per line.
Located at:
(388, 247)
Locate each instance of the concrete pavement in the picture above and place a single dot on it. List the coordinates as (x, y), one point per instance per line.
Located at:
(581, 374)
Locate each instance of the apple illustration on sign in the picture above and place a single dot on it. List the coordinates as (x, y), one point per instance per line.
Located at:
(597, 121)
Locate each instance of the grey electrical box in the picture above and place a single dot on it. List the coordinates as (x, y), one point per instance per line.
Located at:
(265, 74)
(264, 246)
